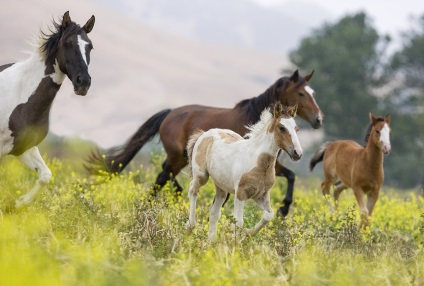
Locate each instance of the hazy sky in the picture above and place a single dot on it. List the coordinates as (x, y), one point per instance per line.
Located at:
(389, 16)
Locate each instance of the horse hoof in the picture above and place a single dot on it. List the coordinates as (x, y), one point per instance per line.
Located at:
(282, 212)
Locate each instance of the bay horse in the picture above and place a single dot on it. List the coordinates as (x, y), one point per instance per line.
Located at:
(244, 167)
(349, 165)
(28, 88)
(175, 127)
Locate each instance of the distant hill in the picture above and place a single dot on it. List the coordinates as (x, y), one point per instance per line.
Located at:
(136, 70)
(239, 23)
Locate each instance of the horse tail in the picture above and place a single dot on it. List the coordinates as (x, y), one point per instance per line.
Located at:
(319, 155)
(117, 158)
(190, 146)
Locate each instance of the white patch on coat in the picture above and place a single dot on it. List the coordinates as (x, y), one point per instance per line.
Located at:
(58, 76)
(290, 125)
(385, 136)
(17, 84)
(309, 90)
(82, 44)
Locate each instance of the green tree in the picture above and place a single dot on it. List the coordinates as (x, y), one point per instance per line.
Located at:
(406, 104)
(347, 57)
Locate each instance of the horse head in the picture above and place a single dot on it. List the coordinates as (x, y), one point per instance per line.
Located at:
(296, 90)
(73, 52)
(285, 130)
(380, 132)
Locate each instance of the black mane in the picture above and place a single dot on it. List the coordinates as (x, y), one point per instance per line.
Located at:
(255, 105)
(367, 136)
(57, 36)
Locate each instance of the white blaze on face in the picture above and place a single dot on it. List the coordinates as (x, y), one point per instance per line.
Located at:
(82, 44)
(309, 90)
(291, 127)
(385, 138)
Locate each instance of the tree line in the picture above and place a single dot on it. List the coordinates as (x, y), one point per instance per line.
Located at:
(355, 75)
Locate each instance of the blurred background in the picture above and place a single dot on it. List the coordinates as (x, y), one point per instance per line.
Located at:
(154, 54)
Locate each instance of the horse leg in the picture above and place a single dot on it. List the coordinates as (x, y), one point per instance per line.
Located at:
(193, 194)
(267, 215)
(33, 160)
(339, 187)
(162, 178)
(238, 215)
(325, 187)
(169, 172)
(280, 170)
(215, 212)
(372, 199)
(360, 198)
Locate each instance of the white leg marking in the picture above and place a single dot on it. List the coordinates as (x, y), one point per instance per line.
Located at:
(215, 213)
(33, 160)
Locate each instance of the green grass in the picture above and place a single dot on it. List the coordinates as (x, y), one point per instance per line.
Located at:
(81, 232)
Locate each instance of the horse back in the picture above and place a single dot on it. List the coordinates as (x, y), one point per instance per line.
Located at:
(181, 122)
(3, 67)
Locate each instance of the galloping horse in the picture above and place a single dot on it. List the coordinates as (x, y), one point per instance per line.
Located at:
(349, 165)
(244, 167)
(28, 88)
(175, 127)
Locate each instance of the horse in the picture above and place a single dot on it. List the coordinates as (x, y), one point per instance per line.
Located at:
(244, 167)
(28, 88)
(175, 127)
(349, 165)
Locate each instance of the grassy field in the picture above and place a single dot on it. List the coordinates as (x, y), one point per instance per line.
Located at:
(81, 232)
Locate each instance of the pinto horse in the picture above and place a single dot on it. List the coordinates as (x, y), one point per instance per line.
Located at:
(349, 165)
(28, 88)
(175, 127)
(244, 167)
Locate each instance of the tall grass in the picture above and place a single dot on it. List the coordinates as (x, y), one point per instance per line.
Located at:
(83, 232)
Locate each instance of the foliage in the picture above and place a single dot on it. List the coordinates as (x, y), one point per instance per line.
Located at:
(405, 102)
(347, 58)
(81, 232)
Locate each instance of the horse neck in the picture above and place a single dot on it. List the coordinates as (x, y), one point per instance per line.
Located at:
(373, 155)
(264, 143)
(254, 106)
(44, 79)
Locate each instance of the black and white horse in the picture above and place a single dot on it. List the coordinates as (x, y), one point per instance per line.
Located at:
(28, 88)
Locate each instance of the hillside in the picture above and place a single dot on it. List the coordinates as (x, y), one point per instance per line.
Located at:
(136, 70)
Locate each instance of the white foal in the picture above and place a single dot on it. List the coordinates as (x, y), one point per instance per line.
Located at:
(244, 167)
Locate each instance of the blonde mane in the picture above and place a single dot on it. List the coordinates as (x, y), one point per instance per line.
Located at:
(256, 129)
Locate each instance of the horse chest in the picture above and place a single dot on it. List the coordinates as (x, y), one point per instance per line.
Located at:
(259, 180)
(25, 108)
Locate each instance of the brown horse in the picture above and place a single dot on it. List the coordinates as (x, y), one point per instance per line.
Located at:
(175, 127)
(349, 165)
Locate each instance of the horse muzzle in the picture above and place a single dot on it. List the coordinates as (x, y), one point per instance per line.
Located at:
(296, 155)
(386, 150)
(81, 84)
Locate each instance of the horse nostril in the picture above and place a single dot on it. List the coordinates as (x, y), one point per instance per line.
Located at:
(79, 79)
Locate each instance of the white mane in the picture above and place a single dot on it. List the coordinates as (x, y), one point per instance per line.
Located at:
(256, 129)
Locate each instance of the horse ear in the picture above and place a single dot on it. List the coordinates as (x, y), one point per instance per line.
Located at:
(278, 109)
(295, 76)
(387, 118)
(292, 111)
(89, 25)
(309, 76)
(66, 20)
(373, 118)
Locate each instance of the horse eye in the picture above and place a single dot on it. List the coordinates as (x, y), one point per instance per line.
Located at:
(377, 131)
(300, 94)
(67, 44)
(281, 128)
